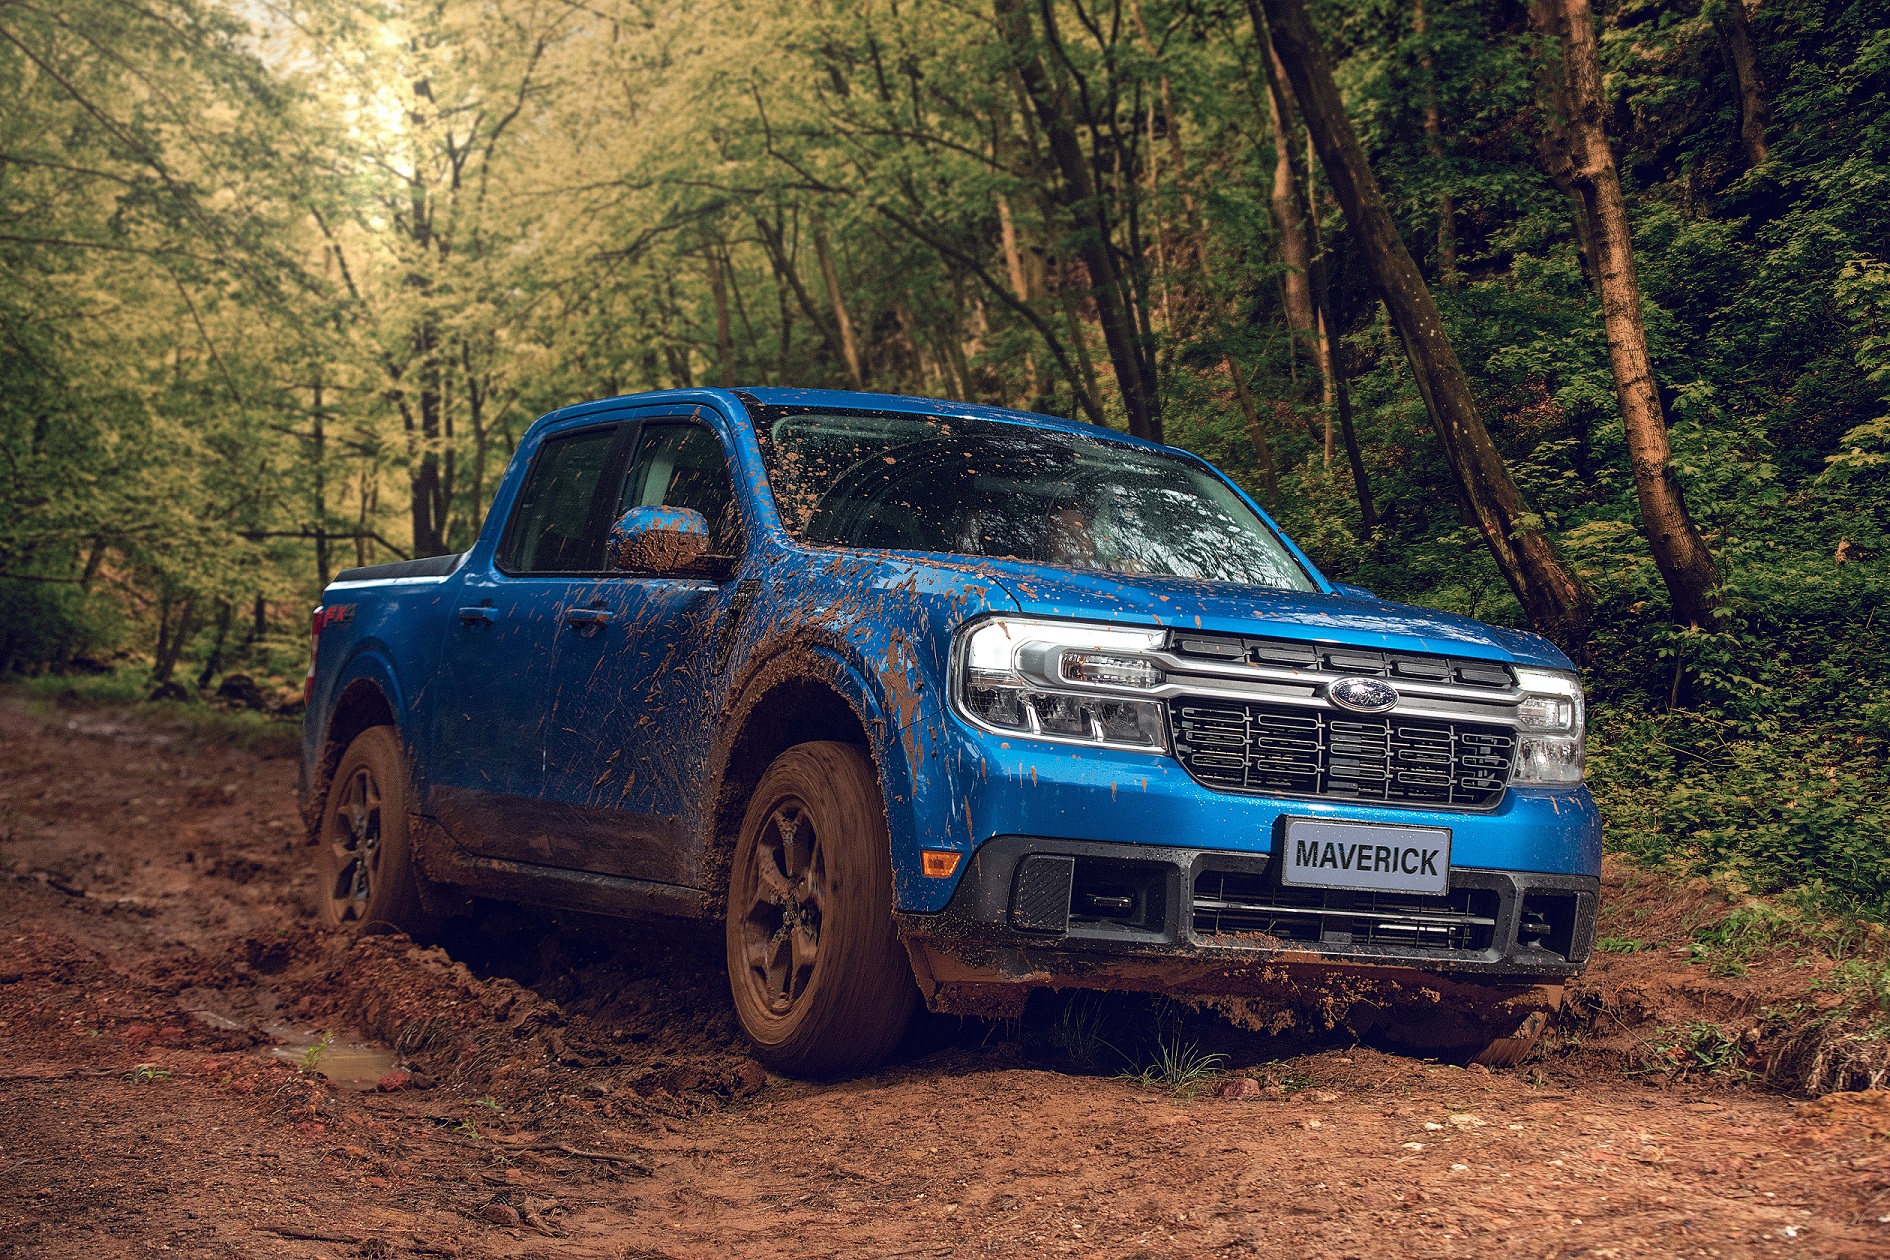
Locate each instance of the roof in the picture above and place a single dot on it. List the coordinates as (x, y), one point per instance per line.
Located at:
(852, 400)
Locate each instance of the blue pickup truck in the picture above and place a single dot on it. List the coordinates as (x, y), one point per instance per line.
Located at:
(939, 703)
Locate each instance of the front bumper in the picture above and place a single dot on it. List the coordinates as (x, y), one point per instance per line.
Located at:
(1061, 913)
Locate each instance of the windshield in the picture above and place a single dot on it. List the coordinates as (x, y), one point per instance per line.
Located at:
(986, 488)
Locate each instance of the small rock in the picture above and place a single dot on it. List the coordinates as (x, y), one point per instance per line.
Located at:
(1239, 1087)
(500, 1214)
(1323, 1096)
(749, 1078)
(393, 1082)
(1464, 1120)
(1477, 1069)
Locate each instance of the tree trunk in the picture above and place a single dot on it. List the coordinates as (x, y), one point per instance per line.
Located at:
(1093, 236)
(1685, 563)
(724, 340)
(1434, 142)
(1555, 601)
(1340, 402)
(318, 453)
(1256, 432)
(214, 661)
(1021, 286)
(423, 478)
(1735, 39)
(848, 347)
(1295, 258)
(173, 637)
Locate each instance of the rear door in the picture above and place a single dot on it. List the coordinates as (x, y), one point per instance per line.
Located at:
(627, 742)
(501, 639)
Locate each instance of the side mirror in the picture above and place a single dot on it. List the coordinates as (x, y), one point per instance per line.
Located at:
(1355, 592)
(658, 540)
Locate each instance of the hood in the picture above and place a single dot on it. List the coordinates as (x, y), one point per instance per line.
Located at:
(1306, 615)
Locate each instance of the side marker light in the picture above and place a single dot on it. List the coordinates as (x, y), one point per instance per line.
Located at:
(939, 863)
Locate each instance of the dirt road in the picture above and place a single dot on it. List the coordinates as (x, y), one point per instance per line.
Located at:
(538, 1089)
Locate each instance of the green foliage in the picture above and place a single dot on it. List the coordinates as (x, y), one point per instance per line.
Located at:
(312, 1057)
(1698, 1049)
(1183, 1070)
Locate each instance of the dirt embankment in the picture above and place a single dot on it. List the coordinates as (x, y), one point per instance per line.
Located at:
(189, 1066)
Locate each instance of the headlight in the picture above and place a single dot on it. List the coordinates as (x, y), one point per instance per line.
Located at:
(1549, 743)
(1061, 681)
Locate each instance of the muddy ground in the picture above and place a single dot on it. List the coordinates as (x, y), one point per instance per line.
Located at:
(188, 1066)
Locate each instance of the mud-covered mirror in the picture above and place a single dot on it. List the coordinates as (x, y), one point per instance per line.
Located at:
(658, 540)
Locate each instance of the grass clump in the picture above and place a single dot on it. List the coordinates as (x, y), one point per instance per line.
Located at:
(1182, 1069)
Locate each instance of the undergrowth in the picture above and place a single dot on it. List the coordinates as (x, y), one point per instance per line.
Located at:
(52, 695)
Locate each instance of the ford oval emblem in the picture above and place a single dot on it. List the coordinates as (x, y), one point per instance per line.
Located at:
(1363, 695)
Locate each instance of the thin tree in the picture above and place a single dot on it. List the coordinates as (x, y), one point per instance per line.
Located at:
(1681, 554)
(1742, 59)
(1093, 235)
(1554, 599)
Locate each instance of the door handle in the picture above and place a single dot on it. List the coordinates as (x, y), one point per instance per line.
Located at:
(474, 616)
(582, 619)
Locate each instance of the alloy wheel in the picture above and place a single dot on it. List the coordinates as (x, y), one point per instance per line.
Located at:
(355, 846)
(781, 931)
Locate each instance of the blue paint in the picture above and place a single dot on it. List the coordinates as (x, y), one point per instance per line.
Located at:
(584, 720)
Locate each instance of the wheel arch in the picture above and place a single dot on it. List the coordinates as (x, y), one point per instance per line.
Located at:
(363, 703)
(805, 693)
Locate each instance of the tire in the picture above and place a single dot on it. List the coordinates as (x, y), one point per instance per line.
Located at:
(364, 869)
(1502, 1052)
(1499, 1034)
(821, 983)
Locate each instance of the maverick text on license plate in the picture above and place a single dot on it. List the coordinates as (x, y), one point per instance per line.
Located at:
(1357, 855)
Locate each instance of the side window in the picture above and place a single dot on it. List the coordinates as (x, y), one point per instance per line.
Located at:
(547, 532)
(684, 466)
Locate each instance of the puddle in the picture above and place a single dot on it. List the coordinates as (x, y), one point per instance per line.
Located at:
(348, 1064)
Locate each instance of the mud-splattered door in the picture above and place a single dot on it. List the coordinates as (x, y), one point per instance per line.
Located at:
(487, 772)
(628, 737)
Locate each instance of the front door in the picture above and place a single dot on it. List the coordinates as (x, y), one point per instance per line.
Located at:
(627, 741)
(501, 639)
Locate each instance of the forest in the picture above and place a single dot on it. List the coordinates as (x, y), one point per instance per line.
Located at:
(1566, 316)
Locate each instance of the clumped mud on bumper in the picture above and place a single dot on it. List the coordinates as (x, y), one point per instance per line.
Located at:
(1217, 929)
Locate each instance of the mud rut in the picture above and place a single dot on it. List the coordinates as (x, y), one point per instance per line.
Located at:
(561, 1090)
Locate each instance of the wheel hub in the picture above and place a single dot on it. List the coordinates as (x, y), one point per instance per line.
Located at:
(781, 931)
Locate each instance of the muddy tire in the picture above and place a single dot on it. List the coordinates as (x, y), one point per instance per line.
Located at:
(1502, 1052)
(1500, 1035)
(365, 876)
(821, 983)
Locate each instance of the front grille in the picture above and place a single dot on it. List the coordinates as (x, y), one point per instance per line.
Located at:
(1236, 904)
(1275, 749)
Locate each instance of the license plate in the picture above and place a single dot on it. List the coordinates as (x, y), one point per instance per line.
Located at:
(1321, 854)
